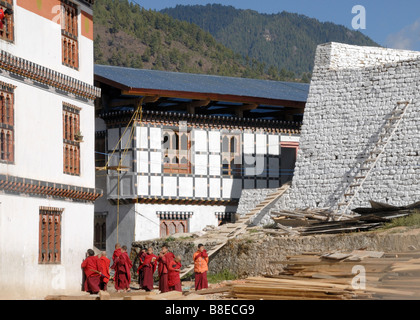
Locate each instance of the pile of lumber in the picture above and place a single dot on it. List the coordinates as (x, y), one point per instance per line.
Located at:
(314, 221)
(132, 295)
(361, 275)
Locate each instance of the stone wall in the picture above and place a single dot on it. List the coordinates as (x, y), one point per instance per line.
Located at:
(250, 198)
(353, 91)
(257, 254)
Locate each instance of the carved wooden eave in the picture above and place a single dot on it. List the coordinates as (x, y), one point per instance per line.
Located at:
(46, 76)
(159, 118)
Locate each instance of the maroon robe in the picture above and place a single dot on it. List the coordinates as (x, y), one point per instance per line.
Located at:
(115, 255)
(201, 281)
(92, 279)
(163, 271)
(142, 256)
(122, 276)
(148, 268)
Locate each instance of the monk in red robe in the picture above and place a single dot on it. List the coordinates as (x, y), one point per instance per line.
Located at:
(148, 267)
(142, 255)
(164, 257)
(201, 261)
(90, 269)
(123, 267)
(103, 264)
(116, 254)
(174, 280)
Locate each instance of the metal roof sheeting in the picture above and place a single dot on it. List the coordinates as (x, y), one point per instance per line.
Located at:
(200, 83)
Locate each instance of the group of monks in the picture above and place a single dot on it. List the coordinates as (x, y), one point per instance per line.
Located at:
(97, 270)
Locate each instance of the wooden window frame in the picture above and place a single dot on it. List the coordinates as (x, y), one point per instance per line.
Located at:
(176, 158)
(229, 157)
(71, 146)
(7, 145)
(70, 34)
(50, 230)
(7, 33)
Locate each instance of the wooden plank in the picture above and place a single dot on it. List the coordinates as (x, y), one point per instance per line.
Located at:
(210, 291)
(192, 296)
(171, 295)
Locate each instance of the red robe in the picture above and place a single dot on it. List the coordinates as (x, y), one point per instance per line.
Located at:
(115, 255)
(103, 264)
(174, 280)
(122, 276)
(148, 268)
(92, 279)
(163, 271)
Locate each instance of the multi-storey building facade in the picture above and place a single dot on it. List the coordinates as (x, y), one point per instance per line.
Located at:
(181, 163)
(47, 174)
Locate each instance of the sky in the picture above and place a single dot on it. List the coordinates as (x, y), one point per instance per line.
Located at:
(390, 23)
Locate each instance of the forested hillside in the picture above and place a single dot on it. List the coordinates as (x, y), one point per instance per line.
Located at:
(128, 35)
(285, 40)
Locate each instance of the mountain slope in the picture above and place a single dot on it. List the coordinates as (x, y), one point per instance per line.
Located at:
(284, 40)
(130, 36)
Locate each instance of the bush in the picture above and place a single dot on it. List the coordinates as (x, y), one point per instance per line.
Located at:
(221, 276)
(412, 220)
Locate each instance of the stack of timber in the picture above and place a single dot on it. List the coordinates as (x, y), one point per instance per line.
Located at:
(313, 221)
(132, 295)
(359, 275)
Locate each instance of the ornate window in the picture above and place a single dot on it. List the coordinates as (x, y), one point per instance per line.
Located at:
(50, 235)
(231, 154)
(71, 139)
(6, 123)
(70, 34)
(176, 157)
(173, 222)
(6, 24)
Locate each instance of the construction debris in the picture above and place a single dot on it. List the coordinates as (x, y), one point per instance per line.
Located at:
(314, 221)
(357, 275)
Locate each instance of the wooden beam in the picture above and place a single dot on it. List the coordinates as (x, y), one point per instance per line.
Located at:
(239, 110)
(214, 97)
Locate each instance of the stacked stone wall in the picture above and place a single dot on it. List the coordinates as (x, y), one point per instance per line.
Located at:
(353, 91)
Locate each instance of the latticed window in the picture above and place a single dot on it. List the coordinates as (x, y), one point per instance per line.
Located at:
(71, 139)
(50, 235)
(6, 25)
(6, 123)
(176, 158)
(231, 155)
(70, 34)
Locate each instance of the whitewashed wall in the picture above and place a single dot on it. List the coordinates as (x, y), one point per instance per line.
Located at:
(21, 277)
(38, 142)
(147, 224)
(38, 39)
(353, 92)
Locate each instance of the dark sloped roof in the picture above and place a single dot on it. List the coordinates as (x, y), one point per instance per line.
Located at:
(199, 83)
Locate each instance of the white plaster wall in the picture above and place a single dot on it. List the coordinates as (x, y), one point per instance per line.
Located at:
(21, 277)
(214, 141)
(39, 137)
(38, 39)
(148, 223)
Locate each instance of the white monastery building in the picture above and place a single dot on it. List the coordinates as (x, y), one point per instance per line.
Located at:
(176, 150)
(47, 171)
